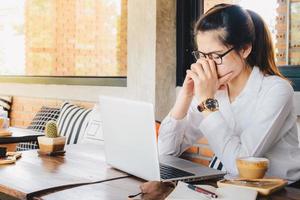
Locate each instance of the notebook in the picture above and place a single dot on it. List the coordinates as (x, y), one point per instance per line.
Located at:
(182, 192)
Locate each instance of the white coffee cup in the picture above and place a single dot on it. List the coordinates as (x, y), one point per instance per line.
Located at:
(252, 167)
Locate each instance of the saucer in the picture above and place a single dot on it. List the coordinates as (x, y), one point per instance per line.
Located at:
(53, 153)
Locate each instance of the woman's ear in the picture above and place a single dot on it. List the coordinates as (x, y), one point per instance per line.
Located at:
(246, 50)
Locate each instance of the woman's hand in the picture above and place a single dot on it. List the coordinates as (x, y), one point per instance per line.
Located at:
(201, 81)
(204, 75)
(188, 87)
(184, 99)
(205, 78)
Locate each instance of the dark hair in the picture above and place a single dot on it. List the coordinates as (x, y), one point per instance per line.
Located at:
(242, 27)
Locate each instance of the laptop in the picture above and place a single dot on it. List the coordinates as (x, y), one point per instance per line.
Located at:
(130, 144)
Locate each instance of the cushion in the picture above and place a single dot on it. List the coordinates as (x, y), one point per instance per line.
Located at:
(42, 117)
(25, 146)
(72, 122)
(5, 102)
(215, 163)
(38, 124)
(93, 132)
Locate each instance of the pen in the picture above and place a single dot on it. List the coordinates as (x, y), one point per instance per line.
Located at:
(203, 191)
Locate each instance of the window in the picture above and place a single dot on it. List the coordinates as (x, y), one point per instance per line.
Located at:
(68, 42)
(294, 29)
(282, 17)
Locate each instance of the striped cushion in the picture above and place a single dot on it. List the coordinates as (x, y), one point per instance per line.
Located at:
(72, 122)
(215, 163)
(5, 102)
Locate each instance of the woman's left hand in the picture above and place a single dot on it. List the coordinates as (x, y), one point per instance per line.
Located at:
(205, 77)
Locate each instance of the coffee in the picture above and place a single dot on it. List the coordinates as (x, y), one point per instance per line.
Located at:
(252, 167)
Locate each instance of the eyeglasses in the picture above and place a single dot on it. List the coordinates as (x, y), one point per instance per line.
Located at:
(218, 58)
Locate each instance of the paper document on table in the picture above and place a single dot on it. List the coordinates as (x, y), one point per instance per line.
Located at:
(182, 192)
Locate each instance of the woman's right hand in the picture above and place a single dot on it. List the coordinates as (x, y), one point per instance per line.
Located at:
(184, 99)
(188, 86)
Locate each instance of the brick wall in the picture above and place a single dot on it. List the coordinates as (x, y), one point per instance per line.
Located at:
(281, 29)
(73, 40)
(24, 108)
(199, 153)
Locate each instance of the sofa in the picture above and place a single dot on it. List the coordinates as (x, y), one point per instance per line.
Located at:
(71, 116)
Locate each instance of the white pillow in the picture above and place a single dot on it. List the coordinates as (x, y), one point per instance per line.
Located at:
(72, 122)
(93, 133)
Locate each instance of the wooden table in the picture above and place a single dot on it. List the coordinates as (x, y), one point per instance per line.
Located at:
(33, 173)
(18, 135)
(120, 189)
(55, 178)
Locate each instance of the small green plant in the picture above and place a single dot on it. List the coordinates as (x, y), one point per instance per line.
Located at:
(51, 129)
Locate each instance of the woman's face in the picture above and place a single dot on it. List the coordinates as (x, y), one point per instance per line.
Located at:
(232, 62)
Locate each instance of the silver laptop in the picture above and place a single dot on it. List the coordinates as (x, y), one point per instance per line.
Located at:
(130, 144)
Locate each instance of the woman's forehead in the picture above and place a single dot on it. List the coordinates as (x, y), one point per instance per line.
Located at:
(209, 41)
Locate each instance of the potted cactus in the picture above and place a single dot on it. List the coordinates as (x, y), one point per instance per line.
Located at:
(51, 142)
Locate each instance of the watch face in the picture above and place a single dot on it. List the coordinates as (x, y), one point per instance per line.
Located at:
(211, 104)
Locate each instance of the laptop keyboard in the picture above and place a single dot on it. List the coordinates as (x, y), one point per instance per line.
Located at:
(168, 172)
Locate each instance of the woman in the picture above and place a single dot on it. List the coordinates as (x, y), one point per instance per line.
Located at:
(235, 96)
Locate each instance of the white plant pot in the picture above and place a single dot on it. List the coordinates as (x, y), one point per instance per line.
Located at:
(48, 145)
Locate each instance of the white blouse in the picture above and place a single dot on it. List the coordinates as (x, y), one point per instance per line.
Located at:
(260, 122)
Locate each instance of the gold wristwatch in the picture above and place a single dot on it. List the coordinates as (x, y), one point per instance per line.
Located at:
(209, 104)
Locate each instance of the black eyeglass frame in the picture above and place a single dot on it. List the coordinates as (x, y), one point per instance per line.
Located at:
(209, 55)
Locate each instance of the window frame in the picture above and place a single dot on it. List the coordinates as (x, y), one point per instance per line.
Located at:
(114, 81)
(292, 72)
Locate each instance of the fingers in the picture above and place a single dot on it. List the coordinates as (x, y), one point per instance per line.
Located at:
(198, 69)
(213, 68)
(224, 79)
(206, 67)
(187, 77)
(222, 87)
(191, 74)
(206, 71)
(203, 73)
(188, 81)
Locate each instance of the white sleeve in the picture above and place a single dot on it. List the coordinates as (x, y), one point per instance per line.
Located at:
(175, 136)
(270, 115)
